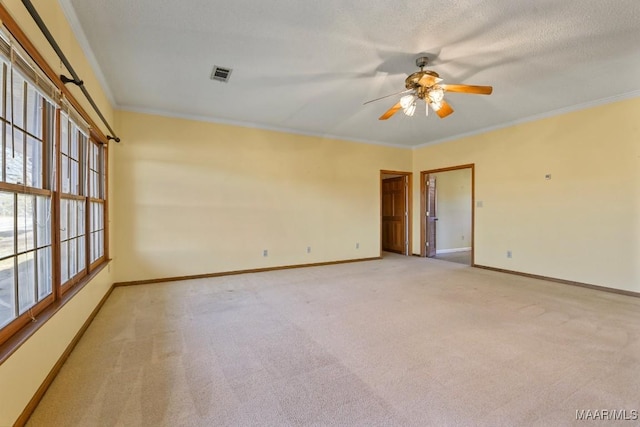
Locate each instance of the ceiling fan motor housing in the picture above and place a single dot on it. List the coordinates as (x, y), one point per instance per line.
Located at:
(412, 82)
(422, 61)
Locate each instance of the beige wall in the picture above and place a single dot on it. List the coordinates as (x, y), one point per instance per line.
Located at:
(453, 195)
(26, 369)
(197, 198)
(581, 225)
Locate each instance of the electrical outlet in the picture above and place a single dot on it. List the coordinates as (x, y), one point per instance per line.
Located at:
(265, 253)
(357, 245)
(308, 249)
(509, 254)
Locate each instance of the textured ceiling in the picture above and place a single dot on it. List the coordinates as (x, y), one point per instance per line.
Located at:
(308, 66)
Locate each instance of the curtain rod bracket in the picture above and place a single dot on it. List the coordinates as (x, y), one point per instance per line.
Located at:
(116, 139)
(66, 80)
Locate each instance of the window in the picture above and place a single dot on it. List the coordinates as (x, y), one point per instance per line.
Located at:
(73, 200)
(26, 273)
(97, 189)
(52, 192)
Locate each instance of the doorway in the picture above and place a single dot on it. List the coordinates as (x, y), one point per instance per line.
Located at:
(447, 213)
(395, 211)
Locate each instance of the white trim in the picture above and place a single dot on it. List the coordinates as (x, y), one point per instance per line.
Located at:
(545, 115)
(74, 23)
(449, 251)
(207, 119)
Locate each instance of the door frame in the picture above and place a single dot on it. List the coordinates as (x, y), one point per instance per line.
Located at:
(409, 194)
(423, 206)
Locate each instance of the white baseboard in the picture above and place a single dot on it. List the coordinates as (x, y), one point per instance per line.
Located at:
(448, 251)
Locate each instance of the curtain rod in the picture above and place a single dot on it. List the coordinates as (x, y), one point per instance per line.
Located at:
(75, 78)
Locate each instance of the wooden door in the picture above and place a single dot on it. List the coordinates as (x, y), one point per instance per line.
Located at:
(394, 215)
(430, 215)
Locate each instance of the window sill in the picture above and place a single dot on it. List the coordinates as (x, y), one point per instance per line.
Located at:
(13, 344)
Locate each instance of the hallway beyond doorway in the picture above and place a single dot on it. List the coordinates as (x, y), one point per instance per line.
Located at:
(460, 257)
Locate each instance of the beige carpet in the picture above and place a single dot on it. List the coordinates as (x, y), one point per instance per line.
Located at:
(400, 341)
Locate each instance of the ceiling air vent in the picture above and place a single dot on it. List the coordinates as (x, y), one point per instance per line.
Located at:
(220, 73)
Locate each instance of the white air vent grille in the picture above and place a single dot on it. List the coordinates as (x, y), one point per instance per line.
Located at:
(220, 73)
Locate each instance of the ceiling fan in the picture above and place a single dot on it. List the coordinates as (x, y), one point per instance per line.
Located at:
(425, 85)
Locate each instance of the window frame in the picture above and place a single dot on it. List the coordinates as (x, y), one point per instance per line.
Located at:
(101, 199)
(17, 189)
(72, 196)
(18, 330)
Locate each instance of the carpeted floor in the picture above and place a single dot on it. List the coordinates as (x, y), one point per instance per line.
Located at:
(400, 341)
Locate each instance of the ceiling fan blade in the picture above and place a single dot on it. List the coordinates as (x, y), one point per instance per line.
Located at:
(387, 96)
(428, 80)
(479, 90)
(390, 112)
(444, 110)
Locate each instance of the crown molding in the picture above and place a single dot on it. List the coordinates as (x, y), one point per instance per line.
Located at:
(74, 23)
(250, 125)
(535, 117)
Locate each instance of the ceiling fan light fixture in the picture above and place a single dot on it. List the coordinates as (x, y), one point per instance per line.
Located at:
(436, 94)
(411, 109)
(407, 100)
(408, 104)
